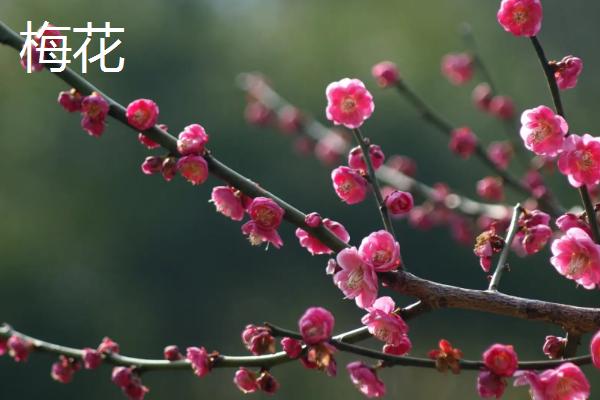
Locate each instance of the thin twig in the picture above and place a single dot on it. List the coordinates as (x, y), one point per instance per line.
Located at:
(510, 235)
(385, 216)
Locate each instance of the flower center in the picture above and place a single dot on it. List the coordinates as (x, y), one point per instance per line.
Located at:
(541, 133)
(140, 115)
(577, 263)
(348, 104)
(382, 333)
(381, 257)
(346, 186)
(520, 15)
(265, 217)
(355, 279)
(585, 161)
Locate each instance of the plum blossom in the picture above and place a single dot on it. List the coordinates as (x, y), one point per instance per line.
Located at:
(446, 357)
(200, 360)
(457, 67)
(63, 370)
(71, 100)
(490, 188)
(94, 109)
(501, 359)
(566, 72)
(316, 325)
(482, 96)
(267, 383)
(356, 279)
(502, 107)
(142, 114)
(91, 358)
(570, 220)
(349, 185)
(580, 160)
(172, 353)
(500, 153)
(399, 202)
(266, 216)
(228, 201)
(245, 380)
(554, 347)
(314, 245)
(490, 385)
(313, 219)
(463, 142)
(19, 348)
(349, 103)
(385, 73)
(365, 379)
(193, 168)
(521, 17)
(357, 161)
(534, 232)
(192, 140)
(380, 250)
(543, 131)
(292, 347)
(258, 339)
(386, 325)
(566, 382)
(577, 257)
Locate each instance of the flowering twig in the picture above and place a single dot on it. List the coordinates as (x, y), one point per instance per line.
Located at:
(583, 190)
(385, 216)
(510, 235)
(423, 362)
(429, 115)
(389, 176)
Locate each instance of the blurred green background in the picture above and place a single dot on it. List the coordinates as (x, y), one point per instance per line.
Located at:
(91, 247)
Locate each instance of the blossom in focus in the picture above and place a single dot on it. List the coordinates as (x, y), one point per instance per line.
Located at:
(566, 382)
(520, 17)
(349, 103)
(356, 278)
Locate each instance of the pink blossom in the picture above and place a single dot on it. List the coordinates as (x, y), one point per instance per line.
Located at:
(267, 383)
(136, 391)
(199, 359)
(357, 161)
(385, 73)
(228, 202)
(193, 168)
(356, 278)
(566, 72)
(463, 142)
(19, 348)
(399, 203)
(258, 340)
(421, 217)
(365, 379)
(142, 114)
(502, 107)
(192, 140)
(386, 325)
(532, 239)
(490, 188)
(49, 42)
(291, 119)
(501, 359)
(380, 250)
(566, 382)
(482, 96)
(316, 325)
(521, 17)
(91, 358)
(172, 353)
(577, 257)
(71, 100)
(570, 220)
(314, 245)
(94, 109)
(313, 219)
(349, 185)
(490, 385)
(329, 148)
(349, 103)
(403, 164)
(292, 347)
(457, 67)
(402, 347)
(257, 113)
(500, 153)
(595, 350)
(266, 216)
(121, 376)
(542, 131)
(149, 143)
(245, 380)
(580, 160)
(534, 182)
(554, 347)
(152, 165)
(63, 370)
(108, 346)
